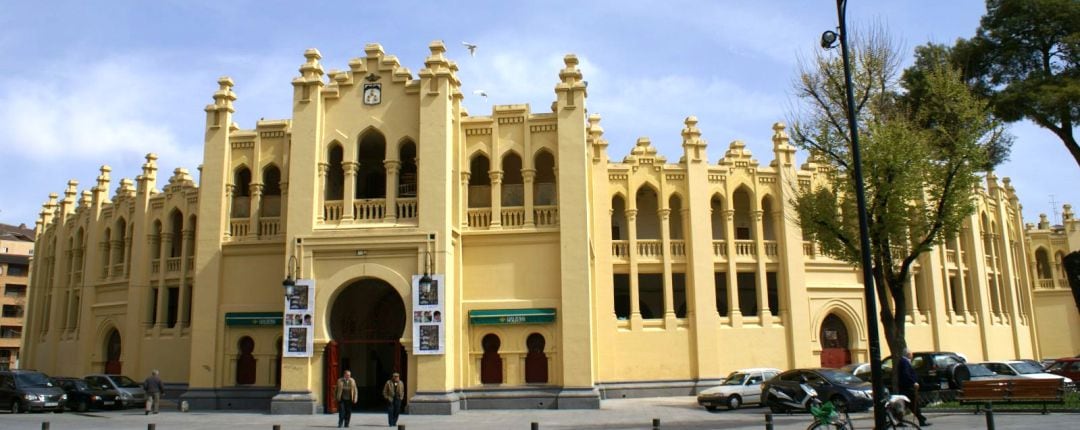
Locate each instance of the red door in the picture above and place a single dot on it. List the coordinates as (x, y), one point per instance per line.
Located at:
(112, 354)
(332, 370)
(834, 343)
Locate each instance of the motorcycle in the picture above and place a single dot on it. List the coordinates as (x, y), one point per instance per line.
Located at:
(804, 399)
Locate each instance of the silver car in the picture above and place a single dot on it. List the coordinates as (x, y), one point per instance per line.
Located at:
(741, 387)
(131, 392)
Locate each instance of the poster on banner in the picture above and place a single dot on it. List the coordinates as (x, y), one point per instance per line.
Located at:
(299, 319)
(429, 306)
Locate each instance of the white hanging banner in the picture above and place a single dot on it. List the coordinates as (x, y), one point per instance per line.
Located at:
(299, 319)
(428, 309)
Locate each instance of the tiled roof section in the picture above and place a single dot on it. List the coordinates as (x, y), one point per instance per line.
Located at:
(20, 232)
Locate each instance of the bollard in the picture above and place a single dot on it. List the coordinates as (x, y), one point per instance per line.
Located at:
(401, 427)
(151, 426)
(768, 421)
(277, 426)
(45, 425)
(989, 416)
(656, 424)
(534, 426)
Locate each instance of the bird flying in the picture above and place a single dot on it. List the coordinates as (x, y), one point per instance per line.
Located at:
(480, 93)
(471, 47)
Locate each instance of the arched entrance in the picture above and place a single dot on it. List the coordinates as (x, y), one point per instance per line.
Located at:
(367, 321)
(112, 353)
(834, 343)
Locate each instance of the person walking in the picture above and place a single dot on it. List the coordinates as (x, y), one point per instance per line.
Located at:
(909, 386)
(345, 394)
(154, 388)
(394, 393)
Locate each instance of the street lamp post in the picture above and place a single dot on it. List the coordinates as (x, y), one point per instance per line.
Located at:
(828, 40)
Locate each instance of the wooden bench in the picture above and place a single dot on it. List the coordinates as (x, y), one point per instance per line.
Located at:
(1043, 391)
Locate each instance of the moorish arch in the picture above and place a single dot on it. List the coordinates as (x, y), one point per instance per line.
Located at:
(111, 344)
(832, 316)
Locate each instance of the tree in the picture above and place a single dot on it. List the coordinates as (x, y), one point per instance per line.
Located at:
(1025, 58)
(922, 157)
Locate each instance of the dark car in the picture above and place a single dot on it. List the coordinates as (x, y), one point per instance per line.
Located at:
(29, 390)
(934, 370)
(82, 397)
(841, 388)
(1067, 367)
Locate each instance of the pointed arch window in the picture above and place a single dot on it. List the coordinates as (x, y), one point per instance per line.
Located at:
(335, 174)
(270, 205)
(513, 184)
(241, 201)
(479, 182)
(371, 172)
(407, 174)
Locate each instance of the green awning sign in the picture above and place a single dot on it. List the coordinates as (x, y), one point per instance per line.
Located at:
(512, 316)
(253, 318)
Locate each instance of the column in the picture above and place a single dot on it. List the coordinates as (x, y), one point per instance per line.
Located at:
(528, 176)
(256, 209)
(496, 198)
(961, 288)
(464, 198)
(321, 213)
(228, 210)
(665, 246)
(187, 246)
(760, 279)
(392, 166)
(347, 210)
(115, 257)
(166, 252)
(734, 312)
(635, 298)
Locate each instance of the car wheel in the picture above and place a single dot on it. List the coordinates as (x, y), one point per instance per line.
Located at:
(82, 406)
(734, 402)
(59, 410)
(15, 407)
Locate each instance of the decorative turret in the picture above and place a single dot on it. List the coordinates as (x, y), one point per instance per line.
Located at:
(784, 153)
(1066, 213)
(596, 139)
(437, 67)
(309, 82)
(693, 144)
(180, 179)
(644, 153)
(571, 84)
(1044, 223)
(148, 179)
(738, 155)
(67, 206)
(48, 210)
(223, 104)
(101, 190)
(992, 184)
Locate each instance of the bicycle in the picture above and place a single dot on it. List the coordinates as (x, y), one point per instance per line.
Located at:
(827, 416)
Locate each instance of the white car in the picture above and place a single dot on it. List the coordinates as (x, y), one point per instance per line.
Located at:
(741, 387)
(1022, 369)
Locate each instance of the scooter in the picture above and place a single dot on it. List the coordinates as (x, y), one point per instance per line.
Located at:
(778, 401)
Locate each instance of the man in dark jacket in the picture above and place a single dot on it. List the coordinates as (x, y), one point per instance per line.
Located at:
(909, 386)
(154, 387)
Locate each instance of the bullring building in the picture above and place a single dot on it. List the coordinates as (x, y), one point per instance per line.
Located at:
(497, 261)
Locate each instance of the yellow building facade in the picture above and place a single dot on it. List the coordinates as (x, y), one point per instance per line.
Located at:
(1057, 312)
(566, 276)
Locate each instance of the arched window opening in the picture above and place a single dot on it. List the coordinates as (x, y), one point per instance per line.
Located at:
(113, 348)
(241, 201)
(717, 218)
(271, 195)
(80, 245)
(651, 295)
(193, 227)
(479, 182)
(743, 219)
(835, 345)
(407, 173)
(491, 371)
(768, 221)
(618, 219)
(675, 218)
(335, 174)
(1042, 264)
(536, 368)
(513, 188)
(371, 174)
(176, 220)
(155, 251)
(545, 192)
(648, 215)
(121, 235)
(245, 361)
(107, 246)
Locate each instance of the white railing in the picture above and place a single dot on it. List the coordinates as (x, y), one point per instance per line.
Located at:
(333, 210)
(238, 227)
(479, 217)
(808, 250)
(678, 248)
(719, 248)
(620, 249)
(1046, 284)
(513, 216)
(745, 248)
(269, 226)
(407, 208)
(772, 248)
(369, 210)
(950, 256)
(172, 264)
(155, 266)
(650, 248)
(546, 215)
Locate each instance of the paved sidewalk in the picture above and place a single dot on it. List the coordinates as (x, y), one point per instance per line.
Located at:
(673, 412)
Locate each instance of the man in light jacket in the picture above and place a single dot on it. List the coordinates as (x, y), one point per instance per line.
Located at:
(345, 395)
(394, 393)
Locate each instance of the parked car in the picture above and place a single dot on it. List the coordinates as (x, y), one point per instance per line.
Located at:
(935, 370)
(29, 390)
(1067, 367)
(131, 392)
(979, 372)
(81, 396)
(843, 389)
(1023, 369)
(739, 388)
(860, 370)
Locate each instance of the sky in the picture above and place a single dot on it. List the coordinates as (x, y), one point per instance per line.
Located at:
(84, 84)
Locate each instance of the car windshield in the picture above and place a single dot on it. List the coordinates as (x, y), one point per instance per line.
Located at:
(124, 382)
(80, 385)
(838, 377)
(1025, 368)
(32, 380)
(979, 370)
(736, 378)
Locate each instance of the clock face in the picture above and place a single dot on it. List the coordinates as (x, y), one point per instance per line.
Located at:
(372, 94)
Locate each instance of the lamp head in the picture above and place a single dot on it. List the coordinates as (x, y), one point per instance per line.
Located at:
(828, 39)
(425, 280)
(288, 284)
